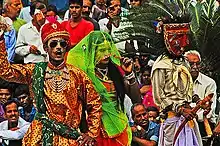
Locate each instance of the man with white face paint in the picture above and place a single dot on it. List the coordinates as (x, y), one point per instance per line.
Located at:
(59, 91)
(29, 44)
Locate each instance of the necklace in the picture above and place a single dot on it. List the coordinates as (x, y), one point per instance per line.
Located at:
(104, 75)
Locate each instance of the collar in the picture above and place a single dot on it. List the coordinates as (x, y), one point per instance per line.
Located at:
(199, 79)
(61, 66)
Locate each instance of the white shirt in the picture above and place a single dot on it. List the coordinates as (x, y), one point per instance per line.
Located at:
(116, 36)
(25, 14)
(203, 86)
(13, 135)
(28, 35)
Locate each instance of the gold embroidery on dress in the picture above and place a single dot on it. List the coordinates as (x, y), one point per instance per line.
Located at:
(57, 79)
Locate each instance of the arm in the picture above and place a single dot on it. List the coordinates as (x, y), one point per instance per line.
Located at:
(158, 84)
(22, 48)
(144, 142)
(13, 72)
(14, 135)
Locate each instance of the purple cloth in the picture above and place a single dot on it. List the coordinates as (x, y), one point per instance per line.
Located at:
(187, 136)
(1, 113)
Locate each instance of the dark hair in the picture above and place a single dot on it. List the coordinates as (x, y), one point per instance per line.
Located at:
(152, 108)
(36, 5)
(10, 101)
(21, 89)
(52, 8)
(7, 85)
(146, 68)
(134, 105)
(80, 2)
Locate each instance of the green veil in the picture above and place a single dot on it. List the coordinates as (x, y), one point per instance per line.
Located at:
(83, 56)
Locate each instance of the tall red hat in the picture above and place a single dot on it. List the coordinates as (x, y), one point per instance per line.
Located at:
(53, 29)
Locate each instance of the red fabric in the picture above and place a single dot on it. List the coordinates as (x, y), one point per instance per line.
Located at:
(53, 27)
(120, 140)
(148, 99)
(79, 32)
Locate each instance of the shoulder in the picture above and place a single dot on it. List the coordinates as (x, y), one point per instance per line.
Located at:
(75, 70)
(153, 125)
(206, 79)
(4, 125)
(86, 22)
(25, 26)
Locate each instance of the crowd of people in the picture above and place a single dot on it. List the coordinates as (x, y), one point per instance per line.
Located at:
(70, 82)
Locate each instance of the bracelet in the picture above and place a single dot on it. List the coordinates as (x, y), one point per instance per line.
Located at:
(131, 84)
(130, 76)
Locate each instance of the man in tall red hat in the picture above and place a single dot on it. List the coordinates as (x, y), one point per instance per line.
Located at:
(172, 88)
(55, 87)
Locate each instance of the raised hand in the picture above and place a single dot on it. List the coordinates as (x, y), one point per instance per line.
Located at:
(127, 65)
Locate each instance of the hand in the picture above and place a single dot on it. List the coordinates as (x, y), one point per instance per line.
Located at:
(187, 113)
(4, 26)
(14, 129)
(144, 89)
(33, 50)
(127, 65)
(86, 140)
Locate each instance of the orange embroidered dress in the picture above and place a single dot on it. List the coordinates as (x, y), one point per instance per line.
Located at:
(60, 97)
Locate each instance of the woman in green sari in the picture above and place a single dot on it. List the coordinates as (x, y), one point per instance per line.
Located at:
(112, 77)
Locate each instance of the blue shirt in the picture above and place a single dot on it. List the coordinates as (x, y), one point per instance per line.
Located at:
(32, 114)
(10, 42)
(151, 133)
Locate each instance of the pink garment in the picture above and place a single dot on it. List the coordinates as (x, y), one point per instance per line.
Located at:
(148, 99)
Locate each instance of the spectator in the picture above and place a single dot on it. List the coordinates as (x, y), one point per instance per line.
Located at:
(14, 128)
(146, 87)
(99, 10)
(86, 11)
(144, 131)
(27, 112)
(52, 12)
(25, 11)
(153, 114)
(6, 92)
(29, 44)
(202, 86)
(76, 25)
(12, 10)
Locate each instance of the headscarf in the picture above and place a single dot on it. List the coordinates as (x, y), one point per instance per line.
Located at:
(83, 57)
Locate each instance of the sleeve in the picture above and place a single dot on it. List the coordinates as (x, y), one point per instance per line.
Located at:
(155, 136)
(103, 25)
(89, 28)
(93, 108)
(158, 84)
(10, 40)
(22, 48)
(14, 135)
(14, 72)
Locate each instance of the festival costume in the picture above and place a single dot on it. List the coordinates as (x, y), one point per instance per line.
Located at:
(172, 88)
(55, 91)
(115, 130)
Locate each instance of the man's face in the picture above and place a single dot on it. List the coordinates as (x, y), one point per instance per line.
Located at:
(145, 78)
(194, 62)
(57, 48)
(140, 116)
(135, 3)
(24, 100)
(75, 11)
(87, 7)
(115, 8)
(14, 8)
(137, 65)
(11, 113)
(176, 43)
(4, 95)
(40, 16)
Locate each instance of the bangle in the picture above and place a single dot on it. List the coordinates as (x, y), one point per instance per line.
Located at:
(130, 76)
(130, 84)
